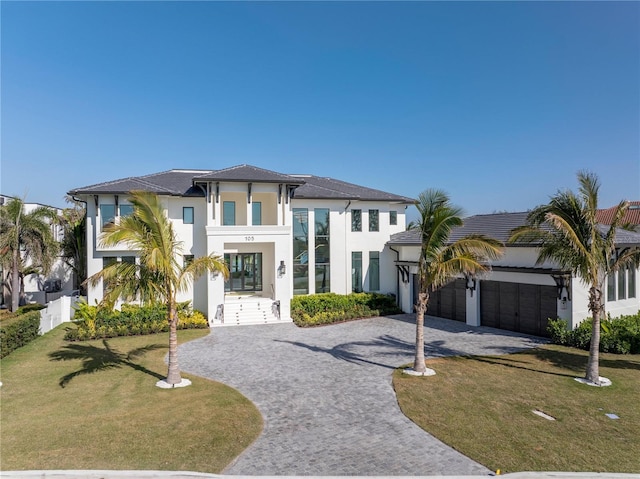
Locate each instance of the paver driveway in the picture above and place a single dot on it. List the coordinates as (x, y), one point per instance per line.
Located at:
(326, 395)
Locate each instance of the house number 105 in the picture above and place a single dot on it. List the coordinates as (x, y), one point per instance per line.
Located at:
(248, 238)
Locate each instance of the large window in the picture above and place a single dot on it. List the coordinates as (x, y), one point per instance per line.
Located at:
(356, 271)
(611, 287)
(356, 220)
(323, 284)
(374, 271)
(229, 213)
(393, 218)
(106, 262)
(632, 283)
(126, 210)
(256, 213)
(622, 284)
(374, 220)
(107, 215)
(300, 251)
(187, 215)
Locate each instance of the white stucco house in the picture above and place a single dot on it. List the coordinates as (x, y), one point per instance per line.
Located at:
(39, 288)
(280, 234)
(517, 294)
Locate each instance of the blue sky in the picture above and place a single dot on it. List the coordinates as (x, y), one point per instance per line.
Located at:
(498, 103)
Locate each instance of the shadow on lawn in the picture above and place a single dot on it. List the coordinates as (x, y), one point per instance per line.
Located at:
(574, 361)
(95, 358)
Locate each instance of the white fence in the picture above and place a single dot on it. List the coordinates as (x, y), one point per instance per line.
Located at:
(57, 312)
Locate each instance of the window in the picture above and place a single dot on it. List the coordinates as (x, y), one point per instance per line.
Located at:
(106, 262)
(322, 249)
(374, 220)
(356, 271)
(126, 210)
(393, 218)
(229, 213)
(356, 220)
(300, 251)
(374, 271)
(622, 284)
(187, 259)
(611, 287)
(187, 215)
(129, 259)
(632, 283)
(107, 215)
(256, 213)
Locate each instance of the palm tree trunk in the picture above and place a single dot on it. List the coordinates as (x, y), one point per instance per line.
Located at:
(173, 375)
(15, 280)
(421, 307)
(593, 365)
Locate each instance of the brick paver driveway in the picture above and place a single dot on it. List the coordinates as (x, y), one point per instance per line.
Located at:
(326, 395)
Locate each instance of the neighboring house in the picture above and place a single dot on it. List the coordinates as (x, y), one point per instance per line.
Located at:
(632, 215)
(517, 294)
(37, 287)
(280, 234)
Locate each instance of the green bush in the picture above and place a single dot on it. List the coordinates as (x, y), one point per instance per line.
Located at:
(27, 308)
(327, 308)
(619, 336)
(94, 322)
(17, 333)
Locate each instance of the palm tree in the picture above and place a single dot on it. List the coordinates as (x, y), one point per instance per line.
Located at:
(160, 273)
(567, 232)
(442, 260)
(73, 247)
(26, 241)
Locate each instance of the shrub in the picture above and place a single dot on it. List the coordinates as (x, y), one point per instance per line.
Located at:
(96, 322)
(17, 333)
(27, 308)
(620, 335)
(327, 308)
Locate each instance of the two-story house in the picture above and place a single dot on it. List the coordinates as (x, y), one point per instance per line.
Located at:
(280, 234)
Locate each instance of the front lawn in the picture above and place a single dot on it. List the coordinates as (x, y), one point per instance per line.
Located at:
(94, 405)
(482, 406)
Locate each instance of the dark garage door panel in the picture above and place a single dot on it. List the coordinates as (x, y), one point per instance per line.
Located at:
(517, 307)
(449, 301)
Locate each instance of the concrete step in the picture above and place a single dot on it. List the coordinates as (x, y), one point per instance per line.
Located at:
(245, 311)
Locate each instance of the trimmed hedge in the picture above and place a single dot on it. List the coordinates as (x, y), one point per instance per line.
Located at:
(20, 331)
(328, 308)
(131, 320)
(619, 336)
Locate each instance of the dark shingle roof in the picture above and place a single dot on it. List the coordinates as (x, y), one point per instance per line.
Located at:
(248, 173)
(498, 226)
(181, 183)
(173, 182)
(316, 187)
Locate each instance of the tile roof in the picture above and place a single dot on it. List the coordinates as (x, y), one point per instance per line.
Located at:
(498, 226)
(632, 215)
(316, 187)
(181, 183)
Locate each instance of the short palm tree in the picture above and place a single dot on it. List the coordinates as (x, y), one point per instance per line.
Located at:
(442, 260)
(160, 272)
(567, 233)
(26, 241)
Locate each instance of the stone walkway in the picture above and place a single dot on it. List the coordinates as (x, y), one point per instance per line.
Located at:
(326, 396)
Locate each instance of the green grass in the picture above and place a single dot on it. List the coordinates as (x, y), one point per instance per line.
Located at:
(60, 412)
(482, 406)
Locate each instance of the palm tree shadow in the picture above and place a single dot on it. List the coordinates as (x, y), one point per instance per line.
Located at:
(95, 359)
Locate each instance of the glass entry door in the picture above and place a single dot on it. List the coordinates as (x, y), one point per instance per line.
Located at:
(245, 272)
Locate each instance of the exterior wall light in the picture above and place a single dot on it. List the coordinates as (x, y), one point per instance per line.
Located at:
(470, 283)
(282, 269)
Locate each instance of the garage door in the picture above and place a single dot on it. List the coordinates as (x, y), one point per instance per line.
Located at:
(449, 302)
(525, 308)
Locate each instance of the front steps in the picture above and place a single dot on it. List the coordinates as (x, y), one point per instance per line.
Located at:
(246, 310)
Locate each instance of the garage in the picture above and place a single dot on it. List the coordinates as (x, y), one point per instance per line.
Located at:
(524, 308)
(448, 302)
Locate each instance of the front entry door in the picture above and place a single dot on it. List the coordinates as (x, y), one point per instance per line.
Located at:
(245, 272)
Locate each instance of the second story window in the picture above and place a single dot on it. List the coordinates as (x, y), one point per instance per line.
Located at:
(393, 218)
(125, 210)
(229, 213)
(187, 215)
(356, 220)
(374, 220)
(107, 215)
(256, 213)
